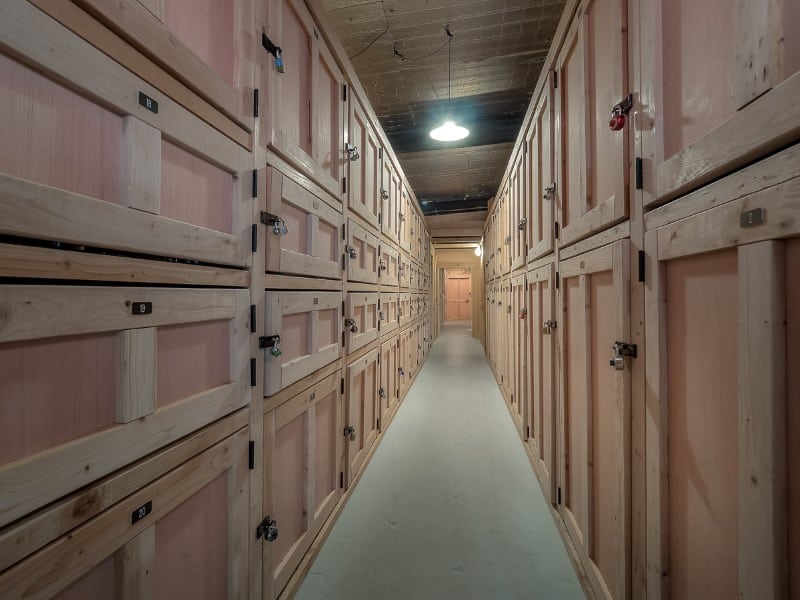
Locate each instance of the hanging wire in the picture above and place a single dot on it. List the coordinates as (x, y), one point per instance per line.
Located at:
(419, 58)
(380, 35)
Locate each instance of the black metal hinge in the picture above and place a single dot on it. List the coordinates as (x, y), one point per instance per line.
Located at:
(255, 102)
(555, 230)
(343, 343)
(558, 495)
(253, 372)
(341, 480)
(344, 185)
(255, 183)
(252, 318)
(641, 266)
(254, 241)
(380, 153)
(344, 92)
(526, 146)
(341, 386)
(251, 455)
(558, 280)
(555, 79)
(527, 431)
(639, 173)
(344, 232)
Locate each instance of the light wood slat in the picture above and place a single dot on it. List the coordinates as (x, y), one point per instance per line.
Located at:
(136, 567)
(136, 373)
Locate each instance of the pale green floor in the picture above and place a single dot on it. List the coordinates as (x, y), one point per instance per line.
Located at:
(449, 506)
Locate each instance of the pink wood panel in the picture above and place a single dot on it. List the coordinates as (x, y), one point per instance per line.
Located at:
(195, 191)
(208, 28)
(369, 315)
(356, 414)
(575, 404)
(327, 241)
(328, 328)
(326, 96)
(547, 419)
(53, 391)
(698, 58)
(607, 433)
(793, 409)
(368, 414)
(791, 41)
(98, 583)
(289, 489)
(191, 555)
(359, 315)
(572, 120)
(54, 136)
(325, 459)
(703, 425)
(191, 359)
(294, 336)
(293, 120)
(536, 361)
(296, 221)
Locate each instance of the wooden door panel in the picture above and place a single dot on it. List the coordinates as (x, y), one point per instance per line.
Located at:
(361, 255)
(365, 171)
(361, 324)
(389, 266)
(362, 381)
(390, 202)
(541, 186)
(389, 312)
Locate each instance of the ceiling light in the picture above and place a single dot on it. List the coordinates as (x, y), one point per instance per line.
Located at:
(449, 131)
(478, 251)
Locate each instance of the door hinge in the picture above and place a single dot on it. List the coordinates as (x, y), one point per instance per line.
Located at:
(558, 495)
(344, 185)
(255, 183)
(641, 266)
(527, 431)
(341, 386)
(268, 529)
(342, 339)
(555, 79)
(255, 103)
(253, 381)
(344, 232)
(251, 455)
(254, 241)
(639, 173)
(555, 230)
(344, 92)
(252, 318)
(558, 280)
(526, 147)
(380, 153)
(343, 308)
(380, 218)
(341, 480)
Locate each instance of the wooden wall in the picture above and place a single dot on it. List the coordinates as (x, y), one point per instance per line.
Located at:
(201, 343)
(670, 470)
(463, 258)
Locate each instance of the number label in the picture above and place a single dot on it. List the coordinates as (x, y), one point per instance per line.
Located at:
(148, 103)
(141, 308)
(141, 512)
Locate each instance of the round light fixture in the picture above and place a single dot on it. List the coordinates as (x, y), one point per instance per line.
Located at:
(478, 251)
(449, 132)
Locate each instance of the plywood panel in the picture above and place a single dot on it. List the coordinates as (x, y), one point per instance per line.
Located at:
(195, 191)
(53, 391)
(327, 116)
(191, 555)
(208, 28)
(191, 359)
(95, 584)
(327, 430)
(293, 122)
(56, 137)
(703, 421)
(290, 501)
(793, 410)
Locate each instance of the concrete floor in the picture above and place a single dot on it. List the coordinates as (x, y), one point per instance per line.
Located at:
(449, 506)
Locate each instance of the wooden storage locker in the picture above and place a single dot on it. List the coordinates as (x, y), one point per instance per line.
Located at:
(592, 78)
(405, 310)
(305, 113)
(405, 217)
(90, 154)
(362, 380)
(302, 451)
(404, 370)
(216, 65)
(364, 180)
(541, 410)
(541, 187)
(722, 299)
(390, 201)
(303, 225)
(518, 371)
(737, 104)
(389, 266)
(361, 254)
(184, 532)
(361, 321)
(302, 334)
(389, 312)
(128, 370)
(405, 271)
(519, 213)
(388, 393)
(595, 404)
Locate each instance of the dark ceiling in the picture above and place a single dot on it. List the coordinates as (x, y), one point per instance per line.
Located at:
(399, 51)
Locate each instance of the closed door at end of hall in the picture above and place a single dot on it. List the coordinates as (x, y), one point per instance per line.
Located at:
(458, 291)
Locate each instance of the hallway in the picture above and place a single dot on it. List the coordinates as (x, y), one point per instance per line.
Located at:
(449, 506)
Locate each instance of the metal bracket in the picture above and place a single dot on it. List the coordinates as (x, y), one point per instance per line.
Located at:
(624, 107)
(522, 223)
(550, 191)
(272, 342)
(621, 350)
(275, 51)
(351, 252)
(274, 221)
(351, 324)
(352, 152)
(268, 529)
(548, 326)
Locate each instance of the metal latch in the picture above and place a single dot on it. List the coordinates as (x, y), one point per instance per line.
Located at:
(402, 371)
(272, 342)
(268, 529)
(548, 326)
(351, 252)
(352, 325)
(350, 432)
(550, 191)
(382, 393)
(522, 222)
(381, 315)
(278, 226)
(384, 194)
(523, 313)
(352, 152)
(509, 309)
(382, 266)
(275, 51)
(621, 350)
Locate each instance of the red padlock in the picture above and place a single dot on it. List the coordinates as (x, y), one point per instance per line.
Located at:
(617, 121)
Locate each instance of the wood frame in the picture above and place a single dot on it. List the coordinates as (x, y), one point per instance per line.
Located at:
(612, 258)
(519, 213)
(57, 565)
(363, 267)
(368, 328)
(283, 190)
(390, 309)
(279, 304)
(390, 200)
(539, 169)
(389, 391)
(389, 267)
(363, 190)
(519, 373)
(38, 312)
(361, 412)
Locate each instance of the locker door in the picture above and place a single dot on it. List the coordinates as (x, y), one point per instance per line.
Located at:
(389, 201)
(541, 408)
(361, 413)
(389, 266)
(541, 191)
(519, 368)
(389, 312)
(387, 393)
(365, 175)
(519, 218)
(361, 320)
(361, 254)
(722, 404)
(595, 404)
(592, 78)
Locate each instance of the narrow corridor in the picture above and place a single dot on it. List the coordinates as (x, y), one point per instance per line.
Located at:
(449, 506)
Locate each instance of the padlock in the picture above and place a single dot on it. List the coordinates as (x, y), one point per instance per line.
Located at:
(350, 432)
(523, 313)
(382, 393)
(275, 349)
(351, 252)
(281, 68)
(279, 228)
(617, 121)
(351, 324)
